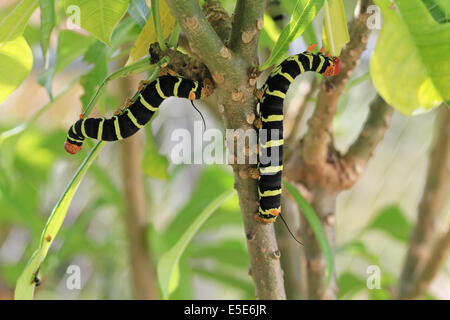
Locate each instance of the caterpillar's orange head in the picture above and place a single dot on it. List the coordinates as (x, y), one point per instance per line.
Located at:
(71, 148)
(334, 68)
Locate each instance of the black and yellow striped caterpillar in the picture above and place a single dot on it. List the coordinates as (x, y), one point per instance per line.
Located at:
(271, 114)
(150, 95)
(136, 113)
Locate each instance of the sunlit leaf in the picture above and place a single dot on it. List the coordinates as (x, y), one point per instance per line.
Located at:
(303, 14)
(99, 17)
(168, 263)
(410, 66)
(14, 23)
(316, 226)
(335, 33)
(270, 32)
(16, 61)
(148, 34)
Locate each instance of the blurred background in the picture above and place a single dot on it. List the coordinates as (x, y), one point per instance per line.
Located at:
(374, 218)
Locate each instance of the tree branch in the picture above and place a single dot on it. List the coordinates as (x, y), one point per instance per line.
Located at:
(357, 156)
(205, 42)
(318, 138)
(219, 19)
(437, 258)
(433, 200)
(319, 167)
(248, 21)
(237, 102)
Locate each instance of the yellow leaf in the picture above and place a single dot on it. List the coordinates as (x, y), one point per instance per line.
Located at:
(335, 33)
(16, 61)
(148, 34)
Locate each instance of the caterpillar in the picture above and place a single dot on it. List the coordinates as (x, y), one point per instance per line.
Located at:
(146, 101)
(136, 114)
(271, 98)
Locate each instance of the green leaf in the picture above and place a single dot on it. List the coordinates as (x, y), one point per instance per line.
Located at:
(71, 45)
(16, 61)
(270, 32)
(154, 164)
(335, 33)
(47, 24)
(99, 17)
(213, 182)
(316, 226)
(168, 263)
(310, 35)
(138, 10)
(350, 284)
(410, 66)
(228, 278)
(14, 23)
(229, 252)
(392, 220)
(439, 9)
(303, 14)
(25, 285)
(97, 55)
(357, 248)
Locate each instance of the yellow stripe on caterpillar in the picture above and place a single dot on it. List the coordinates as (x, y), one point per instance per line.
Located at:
(133, 119)
(276, 93)
(270, 212)
(146, 104)
(322, 61)
(177, 85)
(100, 129)
(311, 59)
(158, 89)
(83, 131)
(273, 117)
(279, 71)
(273, 169)
(117, 128)
(269, 193)
(75, 140)
(300, 65)
(273, 143)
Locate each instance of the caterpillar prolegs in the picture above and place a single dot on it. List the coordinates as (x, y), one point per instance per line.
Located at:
(271, 114)
(139, 111)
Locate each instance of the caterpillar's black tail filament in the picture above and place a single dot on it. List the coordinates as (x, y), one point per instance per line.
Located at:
(201, 115)
(289, 230)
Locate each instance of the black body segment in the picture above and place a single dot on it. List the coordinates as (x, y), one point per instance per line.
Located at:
(270, 162)
(137, 114)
